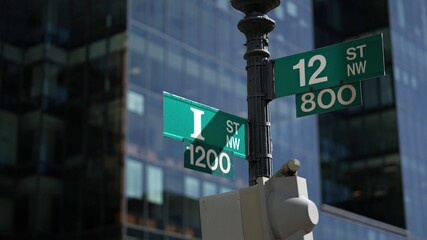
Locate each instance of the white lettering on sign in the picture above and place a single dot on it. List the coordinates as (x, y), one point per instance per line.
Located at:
(309, 101)
(352, 54)
(233, 142)
(314, 79)
(232, 129)
(355, 68)
(209, 158)
(197, 123)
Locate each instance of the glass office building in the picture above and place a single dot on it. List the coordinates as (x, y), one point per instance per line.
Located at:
(359, 152)
(61, 119)
(82, 152)
(371, 158)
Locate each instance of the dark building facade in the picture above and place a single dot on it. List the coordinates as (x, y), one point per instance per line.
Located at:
(82, 152)
(359, 151)
(61, 116)
(371, 163)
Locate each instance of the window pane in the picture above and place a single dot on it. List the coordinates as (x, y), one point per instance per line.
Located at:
(192, 187)
(155, 185)
(134, 176)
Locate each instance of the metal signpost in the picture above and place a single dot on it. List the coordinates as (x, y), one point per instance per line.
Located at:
(256, 25)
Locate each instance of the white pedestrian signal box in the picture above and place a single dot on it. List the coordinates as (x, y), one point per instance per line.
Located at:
(275, 209)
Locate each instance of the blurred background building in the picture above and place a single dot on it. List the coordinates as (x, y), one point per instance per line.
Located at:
(82, 152)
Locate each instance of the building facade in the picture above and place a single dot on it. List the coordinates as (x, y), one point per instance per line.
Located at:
(371, 164)
(82, 152)
(61, 117)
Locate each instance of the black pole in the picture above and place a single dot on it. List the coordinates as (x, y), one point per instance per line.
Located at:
(256, 25)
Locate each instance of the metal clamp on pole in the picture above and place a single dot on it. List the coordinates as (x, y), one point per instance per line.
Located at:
(270, 79)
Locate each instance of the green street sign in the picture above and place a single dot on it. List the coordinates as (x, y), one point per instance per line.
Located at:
(208, 159)
(328, 99)
(186, 119)
(329, 66)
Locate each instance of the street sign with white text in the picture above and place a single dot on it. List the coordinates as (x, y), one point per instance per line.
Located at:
(329, 66)
(328, 99)
(186, 119)
(208, 159)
